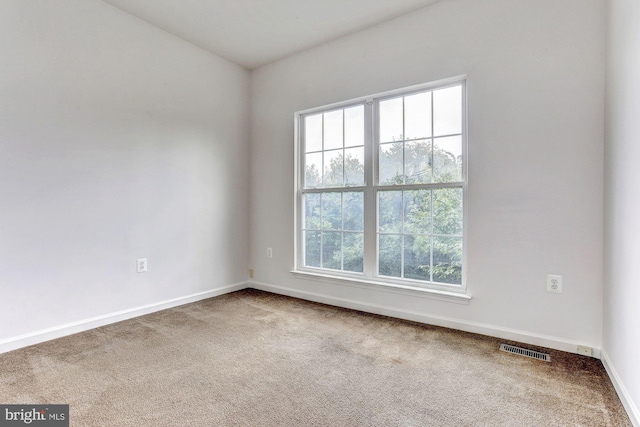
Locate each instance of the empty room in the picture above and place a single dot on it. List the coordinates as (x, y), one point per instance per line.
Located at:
(323, 213)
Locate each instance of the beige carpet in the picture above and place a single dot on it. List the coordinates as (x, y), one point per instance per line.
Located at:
(256, 359)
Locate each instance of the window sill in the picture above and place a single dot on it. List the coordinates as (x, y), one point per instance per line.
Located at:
(400, 289)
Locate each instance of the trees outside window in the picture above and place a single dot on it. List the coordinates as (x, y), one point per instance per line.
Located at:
(381, 187)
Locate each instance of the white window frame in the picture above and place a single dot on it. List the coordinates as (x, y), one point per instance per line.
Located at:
(369, 275)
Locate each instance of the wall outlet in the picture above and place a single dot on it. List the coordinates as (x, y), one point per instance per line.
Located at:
(554, 283)
(141, 265)
(585, 351)
(251, 273)
(269, 252)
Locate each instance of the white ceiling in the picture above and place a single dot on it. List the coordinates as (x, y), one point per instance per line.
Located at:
(252, 33)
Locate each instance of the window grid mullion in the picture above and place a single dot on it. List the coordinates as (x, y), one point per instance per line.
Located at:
(323, 151)
(370, 251)
(342, 224)
(404, 146)
(321, 234)
(433, 142)
(433, 178)
(333, 190)
(431, 233)
(403, 236)
(436, 186)
(344, 177)
(404, 181)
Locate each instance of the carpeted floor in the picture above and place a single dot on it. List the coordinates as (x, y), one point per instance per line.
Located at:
(257, 359)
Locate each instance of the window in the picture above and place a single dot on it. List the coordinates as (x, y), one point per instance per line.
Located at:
(381, 186)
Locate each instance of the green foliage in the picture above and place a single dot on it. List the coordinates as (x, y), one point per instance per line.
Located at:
(423, 227)
(333, 226)
(342, 170)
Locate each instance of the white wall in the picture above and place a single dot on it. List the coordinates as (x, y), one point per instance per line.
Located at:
(117, 141)
(622, 204)
(536, 102)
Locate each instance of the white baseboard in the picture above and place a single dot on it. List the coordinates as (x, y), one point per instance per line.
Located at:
(447, 322)
(36, 337)
(623, 394)
(474, 327)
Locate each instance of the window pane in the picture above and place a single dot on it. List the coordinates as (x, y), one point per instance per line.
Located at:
(313, 133)
(389, 255)
(447, 111)
(391, 120)
(447, 211)
(353, 252)
(447, 159)
(417, 211)
(417, 162)
(354, 126)
(312, 211)
(390, 164)
(313, 170)
(447, 260)
(354, 166)
(333, 130)
(353, 211)
(312, 248)
(390, 211)
(331, 211)
(417, 257)
(333, 168)
(417, 116)
(332, 250)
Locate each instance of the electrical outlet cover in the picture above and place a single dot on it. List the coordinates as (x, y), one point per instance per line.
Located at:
(141, 265)
(554, 283)
(585, 351)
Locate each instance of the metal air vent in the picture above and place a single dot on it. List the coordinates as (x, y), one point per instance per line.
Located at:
(525, 352)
